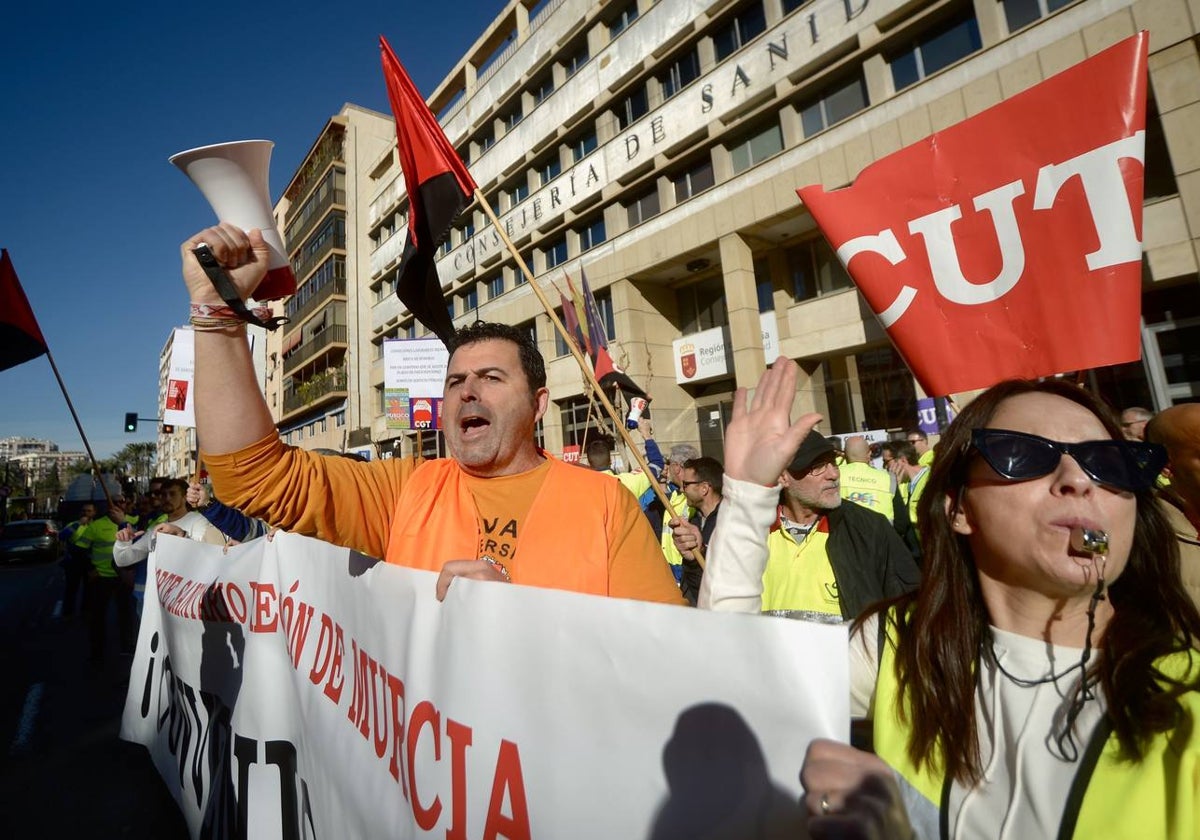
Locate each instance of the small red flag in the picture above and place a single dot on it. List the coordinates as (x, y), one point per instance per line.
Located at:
(20, 336)
(1008, 245)
(439, 187)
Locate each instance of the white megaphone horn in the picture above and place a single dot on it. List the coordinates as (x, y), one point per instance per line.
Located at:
(234, 179)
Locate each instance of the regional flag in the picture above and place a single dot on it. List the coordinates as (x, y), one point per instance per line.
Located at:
(20, 336)
(439, 187)
(607, 372)
(1008, 245)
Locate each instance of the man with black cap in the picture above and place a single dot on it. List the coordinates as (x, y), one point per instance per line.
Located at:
(827, 560)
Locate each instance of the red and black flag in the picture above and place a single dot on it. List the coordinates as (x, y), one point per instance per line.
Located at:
(20, 336)
(607, 373)
(439, 187)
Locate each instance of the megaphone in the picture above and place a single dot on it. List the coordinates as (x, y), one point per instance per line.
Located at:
(234, 179)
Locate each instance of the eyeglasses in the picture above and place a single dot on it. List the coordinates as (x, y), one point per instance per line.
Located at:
(916, 440)
(1124, 464)
(690, 483)
(820, 465)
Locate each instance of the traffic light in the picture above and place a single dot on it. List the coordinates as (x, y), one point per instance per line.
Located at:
(131, 421)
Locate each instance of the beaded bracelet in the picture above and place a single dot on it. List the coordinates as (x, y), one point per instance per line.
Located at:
(225, 312)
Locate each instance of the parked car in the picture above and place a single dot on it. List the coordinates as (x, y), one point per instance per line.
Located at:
(29, 540)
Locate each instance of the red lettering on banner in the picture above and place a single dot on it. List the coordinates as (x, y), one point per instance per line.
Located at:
(266, 618)
(460, 739)
(508, 779)
(424, 713)
(973, 245)
(328, 657)
(396, 766)
(364, 669)
(379, 718)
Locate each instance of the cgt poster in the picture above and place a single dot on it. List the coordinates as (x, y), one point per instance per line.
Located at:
(414, 374)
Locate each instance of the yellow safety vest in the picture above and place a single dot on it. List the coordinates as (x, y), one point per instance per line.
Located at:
(680, 503)
(868, 486)
(799, 576)
(1158, 797)
(98, 537)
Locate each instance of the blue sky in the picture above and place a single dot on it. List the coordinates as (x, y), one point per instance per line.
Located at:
(95, 98)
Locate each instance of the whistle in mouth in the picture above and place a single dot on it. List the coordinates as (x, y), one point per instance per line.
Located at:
(1089, 540)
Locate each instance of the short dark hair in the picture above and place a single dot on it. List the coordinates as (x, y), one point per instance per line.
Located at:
(531, 358)
(902, 450)
(916, 433)
(598, 446)
(168, 483)
(708, 470)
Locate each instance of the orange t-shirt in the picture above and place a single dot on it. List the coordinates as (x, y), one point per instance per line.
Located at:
(502, 504)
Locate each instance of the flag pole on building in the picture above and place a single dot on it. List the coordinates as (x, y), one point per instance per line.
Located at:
(439, 188)
(21, 340)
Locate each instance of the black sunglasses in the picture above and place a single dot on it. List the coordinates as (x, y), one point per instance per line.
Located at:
(1124, 464)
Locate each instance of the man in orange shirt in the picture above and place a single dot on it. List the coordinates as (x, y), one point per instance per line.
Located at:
(498, 509)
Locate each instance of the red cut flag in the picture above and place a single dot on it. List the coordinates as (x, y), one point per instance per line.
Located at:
(439, 187)
(20, 336)
(1008, 245)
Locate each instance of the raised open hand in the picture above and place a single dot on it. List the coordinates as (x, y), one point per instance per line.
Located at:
(761, 438)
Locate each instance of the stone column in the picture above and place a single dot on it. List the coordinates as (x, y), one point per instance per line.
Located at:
(741, 301)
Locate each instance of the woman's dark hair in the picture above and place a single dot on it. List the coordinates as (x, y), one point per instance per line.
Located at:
(941, 626)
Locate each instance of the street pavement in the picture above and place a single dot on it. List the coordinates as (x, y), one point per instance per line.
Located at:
(65, 772)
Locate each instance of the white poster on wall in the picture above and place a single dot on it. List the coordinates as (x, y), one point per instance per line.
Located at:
(702, 356)
(414, 375)
(179, 402)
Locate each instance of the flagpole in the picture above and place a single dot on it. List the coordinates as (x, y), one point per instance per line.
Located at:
(618, 423)
(71, 406)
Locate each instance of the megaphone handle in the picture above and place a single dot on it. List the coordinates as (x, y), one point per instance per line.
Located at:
(225, 288)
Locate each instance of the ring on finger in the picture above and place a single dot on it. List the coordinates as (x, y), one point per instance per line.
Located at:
(825, 806)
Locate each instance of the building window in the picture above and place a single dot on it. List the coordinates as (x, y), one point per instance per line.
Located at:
(756, 148)
(790, 6)
(517, 191)
(494, 286)
(548, 168)
(486, 138)
(542, 89)
(604, 306)
(745, 26)
(1020, 13)
(528, 258)
(633, 107)
(642, 208)
(592, 234)
(514, 116)
(560, 344)
(583, 145)
(936, 49)
(680, 73)
(556, 252)
(469, 300)
(694, 181)
(339, 419)
(576, 60)
(410, 329)
(815, 270)
(702, 306)
(530, 329)
(627, 15)
(764, 286)
(833, 104)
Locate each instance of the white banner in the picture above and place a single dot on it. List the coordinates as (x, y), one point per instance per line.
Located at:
(179, 407)
(292, 689)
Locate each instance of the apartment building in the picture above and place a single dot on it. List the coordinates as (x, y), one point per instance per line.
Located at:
(657, 146)
(316, 367)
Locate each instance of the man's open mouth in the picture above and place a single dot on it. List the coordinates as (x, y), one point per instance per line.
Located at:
(471, 426)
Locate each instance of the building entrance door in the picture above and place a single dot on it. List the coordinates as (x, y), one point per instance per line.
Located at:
(712, 419)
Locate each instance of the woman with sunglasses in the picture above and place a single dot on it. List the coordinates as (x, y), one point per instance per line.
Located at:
(1041, 681)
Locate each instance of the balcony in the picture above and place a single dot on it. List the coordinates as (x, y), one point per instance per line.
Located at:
(313, 213)
(335, 287)
(311, 348)
(307, 263)
(312, 391)
(329, 150)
